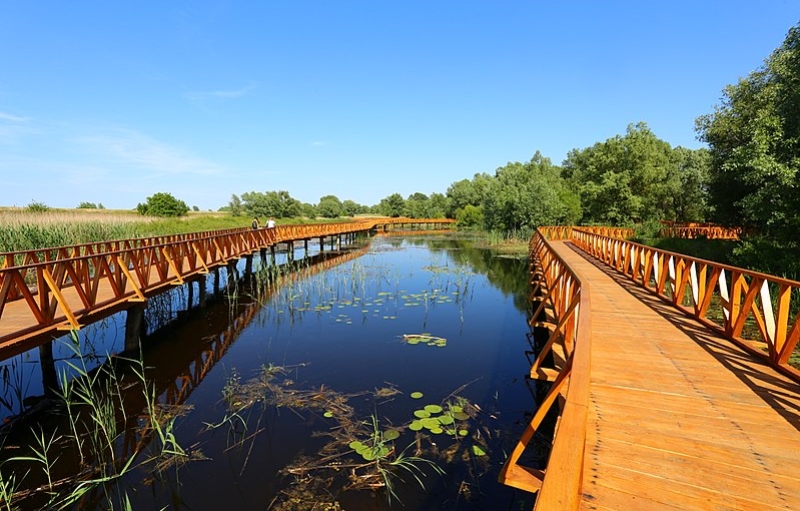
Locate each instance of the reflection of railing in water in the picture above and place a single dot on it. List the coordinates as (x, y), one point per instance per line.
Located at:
(193, 358)
(185, 383)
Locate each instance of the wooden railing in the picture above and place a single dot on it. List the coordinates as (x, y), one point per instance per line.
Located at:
(107, 274)
(757, 311)
(698, 230)
(565, 310)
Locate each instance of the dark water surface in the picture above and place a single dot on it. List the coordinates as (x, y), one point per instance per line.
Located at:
(271, 388)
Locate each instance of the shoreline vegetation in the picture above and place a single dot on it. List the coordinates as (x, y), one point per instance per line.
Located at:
(21, 229)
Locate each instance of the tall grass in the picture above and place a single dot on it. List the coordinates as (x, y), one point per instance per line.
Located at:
(26, 230)
(97, 441)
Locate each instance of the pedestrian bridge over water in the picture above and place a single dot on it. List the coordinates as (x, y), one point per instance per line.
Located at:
(671, 380)
(670, 375)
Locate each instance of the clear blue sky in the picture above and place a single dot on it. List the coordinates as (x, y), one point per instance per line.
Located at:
(111, 102)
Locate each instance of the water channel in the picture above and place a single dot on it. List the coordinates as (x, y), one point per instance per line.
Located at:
(389, 375)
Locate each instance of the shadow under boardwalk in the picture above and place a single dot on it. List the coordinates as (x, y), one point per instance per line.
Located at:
(680, 418)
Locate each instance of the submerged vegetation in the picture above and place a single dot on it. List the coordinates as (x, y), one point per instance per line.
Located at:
(101, 430)
(360, 452)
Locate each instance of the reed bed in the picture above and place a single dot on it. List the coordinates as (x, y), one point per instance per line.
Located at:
(25, 230)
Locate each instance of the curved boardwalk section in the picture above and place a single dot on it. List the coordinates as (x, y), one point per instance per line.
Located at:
(46, 291)
(678, 416)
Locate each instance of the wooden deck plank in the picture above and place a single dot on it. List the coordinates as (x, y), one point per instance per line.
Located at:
(680, 418)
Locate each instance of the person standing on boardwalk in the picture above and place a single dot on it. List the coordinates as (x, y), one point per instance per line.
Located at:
(255, 222)
(270, 223)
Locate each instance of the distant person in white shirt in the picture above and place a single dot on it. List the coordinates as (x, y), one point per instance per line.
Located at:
(270, 223)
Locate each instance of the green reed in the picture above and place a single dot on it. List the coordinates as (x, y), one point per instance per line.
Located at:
(97, 418)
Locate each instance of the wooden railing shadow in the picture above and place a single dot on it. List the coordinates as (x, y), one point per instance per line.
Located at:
(756, 374)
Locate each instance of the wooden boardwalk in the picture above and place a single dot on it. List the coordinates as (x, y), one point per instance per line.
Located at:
(680, 418)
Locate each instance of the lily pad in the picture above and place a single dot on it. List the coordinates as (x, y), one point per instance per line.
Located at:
(355, 445)
(430, 423)
(477, 450)
(392, 434)
(462, 416)
(422, 414)
(327, 415)
(433, 408)
(416, 395)
(446, 420)
(437, 431)
(415, 426)
(463, 432)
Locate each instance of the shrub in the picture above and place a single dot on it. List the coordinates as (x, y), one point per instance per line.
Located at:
(163, 204)
(37, 207)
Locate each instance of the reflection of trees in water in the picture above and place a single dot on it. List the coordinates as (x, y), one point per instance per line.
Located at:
(509, 275)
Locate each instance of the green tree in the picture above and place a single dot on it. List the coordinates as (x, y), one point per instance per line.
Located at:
(691, 201)
(275, 204)
(87, 205)
(308, 210)
(235, 205)
(754, 141)
(162, 204)
(526, 196)
(352, 208)
(625, 179)
(437, 205)
(330, 207)
(416, 205)
(394, 205)
(470, 216)
(464, 192)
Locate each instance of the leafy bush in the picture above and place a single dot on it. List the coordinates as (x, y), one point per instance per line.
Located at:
(163, 204)
(470, 216)
(37, 207)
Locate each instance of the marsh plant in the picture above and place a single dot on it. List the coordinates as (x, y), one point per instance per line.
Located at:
(104, 430)
(358, 455)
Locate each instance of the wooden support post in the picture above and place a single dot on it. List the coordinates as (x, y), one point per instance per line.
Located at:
(290, 251)
(216, 280)
(248, 264)
(49, 375)
(233, 275)
(201, 285)
(190, 295)
(305, 243)
(272, 255)
(321, 244)
(264, 257)
(135, 326)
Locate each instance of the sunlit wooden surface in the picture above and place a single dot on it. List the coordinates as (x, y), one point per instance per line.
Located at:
(680, 418)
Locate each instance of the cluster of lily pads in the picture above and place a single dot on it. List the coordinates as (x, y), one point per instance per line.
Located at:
(375, 447)
(425, 338)
(437, 420)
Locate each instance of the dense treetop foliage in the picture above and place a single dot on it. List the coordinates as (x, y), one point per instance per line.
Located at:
(754, 142)
(162, 204)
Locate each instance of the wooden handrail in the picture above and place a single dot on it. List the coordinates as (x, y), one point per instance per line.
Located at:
(568, 297)
(759, 312)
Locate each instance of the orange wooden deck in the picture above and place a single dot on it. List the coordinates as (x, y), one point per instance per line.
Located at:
(680, 418)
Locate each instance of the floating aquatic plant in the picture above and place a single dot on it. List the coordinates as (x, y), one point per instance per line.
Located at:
(425, 338)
